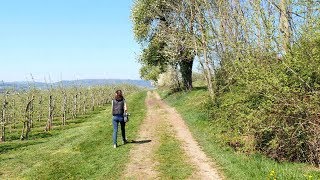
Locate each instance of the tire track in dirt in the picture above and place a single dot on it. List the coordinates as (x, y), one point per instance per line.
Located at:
(205, 168)
(142, 164)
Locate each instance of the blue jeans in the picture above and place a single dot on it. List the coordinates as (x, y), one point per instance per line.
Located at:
(115, 121)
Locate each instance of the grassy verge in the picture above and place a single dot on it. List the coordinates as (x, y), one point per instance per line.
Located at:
(81, 151)
(172, 160)
(234, 165)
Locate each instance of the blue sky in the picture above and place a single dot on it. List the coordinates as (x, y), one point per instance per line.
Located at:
(68, 39)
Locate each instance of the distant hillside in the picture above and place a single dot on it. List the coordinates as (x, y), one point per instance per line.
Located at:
(23, 85)
(96, 82)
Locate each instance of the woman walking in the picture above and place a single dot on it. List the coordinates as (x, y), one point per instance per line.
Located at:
(119, 107)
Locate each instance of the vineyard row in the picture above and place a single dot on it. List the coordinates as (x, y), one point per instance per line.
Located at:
(48, 106)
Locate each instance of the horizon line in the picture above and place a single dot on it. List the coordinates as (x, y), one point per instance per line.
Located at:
(28, 81)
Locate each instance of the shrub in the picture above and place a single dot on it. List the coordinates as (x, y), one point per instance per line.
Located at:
(276, 101)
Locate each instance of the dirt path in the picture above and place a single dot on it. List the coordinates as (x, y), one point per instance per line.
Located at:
(142, 164)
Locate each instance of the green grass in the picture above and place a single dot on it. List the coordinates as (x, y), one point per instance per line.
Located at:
(82, 150)
(234, 165)
(172, 159)
(38, 129)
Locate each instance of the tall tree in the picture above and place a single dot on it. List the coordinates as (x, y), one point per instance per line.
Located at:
(285, 29)
(159, 19)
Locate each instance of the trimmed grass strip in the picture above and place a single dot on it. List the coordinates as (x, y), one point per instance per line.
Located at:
(81, 151)
(172, 159)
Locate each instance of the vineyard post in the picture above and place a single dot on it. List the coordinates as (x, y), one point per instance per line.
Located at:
(3, 117)
(30, 116)
(92, 97)
(40, 108)
(64, 109)
(79, 103)
(50, 116)
(84, 103)
(74, 112)
(53, 108)
(14, 113)
(27, 123)
(100, 97)
(31, 113)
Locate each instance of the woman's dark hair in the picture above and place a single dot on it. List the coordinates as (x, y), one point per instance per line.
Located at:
(119, 96)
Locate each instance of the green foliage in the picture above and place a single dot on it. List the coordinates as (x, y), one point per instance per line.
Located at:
(214, 137)
(272, 105)
(157, 28)
(153, 60)
(142, 16)
(150, 72)
(292, 124)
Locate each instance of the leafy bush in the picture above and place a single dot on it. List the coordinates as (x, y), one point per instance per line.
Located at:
(272, 104)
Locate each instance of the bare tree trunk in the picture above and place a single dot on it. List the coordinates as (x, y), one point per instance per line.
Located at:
(53, 114)
(64, 109)
(208, 75)
(31, 113)
(284, 24)
(75, 107)
(28, 127)
(84, 105)
(40, 109)
(204, 47)
(177, 75)
(23, 132)
(14, 113)
(79, 103)
(93, 101)
(186, 73)
(3, 117)
(28, 120)
(50, 117)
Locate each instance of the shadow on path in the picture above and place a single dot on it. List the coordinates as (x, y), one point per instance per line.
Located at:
(136, 142)
(140, 142)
